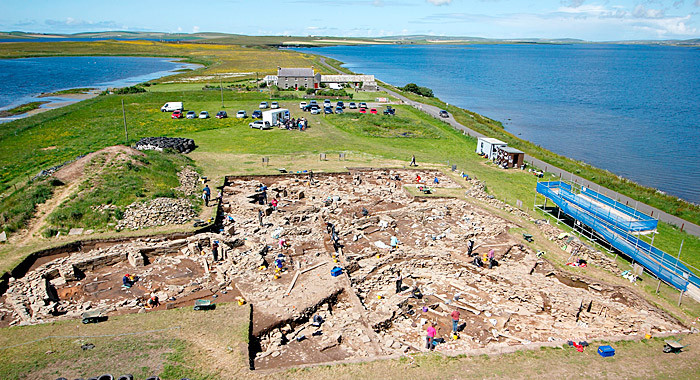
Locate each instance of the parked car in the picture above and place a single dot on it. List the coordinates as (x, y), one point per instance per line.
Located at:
(204, 115)
(263, 105)
(191, 115)
(373, 111)
(275, 105)
(259, 124)
(390, 110)
(327, 110)
(316, 110)
(444, 113)
(221, 115)
(340, 104)
(313, 102)
(311, 107)
(338, 110)
(241, 114)
(327, 103)
(257, 114)
(352, 105)
(176, 115)
(363, 105)
(363, 110)
(302, 105)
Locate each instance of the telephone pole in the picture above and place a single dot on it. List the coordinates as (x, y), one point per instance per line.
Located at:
(126, 131)
(221, 86)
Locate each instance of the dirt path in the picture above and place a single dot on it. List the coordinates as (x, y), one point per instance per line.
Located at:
(72, 175)
(31, 233)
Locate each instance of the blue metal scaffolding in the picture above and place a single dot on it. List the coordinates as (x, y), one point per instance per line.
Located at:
(617, 224)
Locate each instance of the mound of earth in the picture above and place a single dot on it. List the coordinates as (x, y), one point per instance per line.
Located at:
(76, 169)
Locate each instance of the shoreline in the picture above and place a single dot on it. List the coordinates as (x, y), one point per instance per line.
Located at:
(58, 99)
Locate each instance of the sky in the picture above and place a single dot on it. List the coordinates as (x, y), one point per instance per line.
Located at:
(592, 20)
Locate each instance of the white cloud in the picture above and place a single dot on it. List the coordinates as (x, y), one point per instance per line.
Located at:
(642, 12)
(444, 2)
(195, 29)
(72, 24)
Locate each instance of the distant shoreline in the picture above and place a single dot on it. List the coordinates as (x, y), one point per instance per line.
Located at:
(42, 102)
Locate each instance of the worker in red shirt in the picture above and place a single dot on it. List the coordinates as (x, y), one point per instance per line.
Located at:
(455, 321)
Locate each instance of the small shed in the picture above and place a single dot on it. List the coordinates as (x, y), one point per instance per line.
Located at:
(488, 146)
(510, 157)
(275, 117)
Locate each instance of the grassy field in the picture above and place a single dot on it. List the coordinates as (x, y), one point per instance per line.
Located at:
(172, 344)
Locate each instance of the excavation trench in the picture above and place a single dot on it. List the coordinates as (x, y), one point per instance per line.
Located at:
(290, 266)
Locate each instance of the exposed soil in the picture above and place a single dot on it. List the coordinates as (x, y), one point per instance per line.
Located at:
(346, 221)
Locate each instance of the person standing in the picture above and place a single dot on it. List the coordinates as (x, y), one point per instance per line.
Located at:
(413, 160)
(399, 280)
(430, 336)
(206, 195)
(470, 247)
(490, 257)
(455, 321)
(215, 250)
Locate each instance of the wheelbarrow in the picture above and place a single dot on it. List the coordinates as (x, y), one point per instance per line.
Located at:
(204, 305)
(93, 316)
(528, 238)
(672, 346)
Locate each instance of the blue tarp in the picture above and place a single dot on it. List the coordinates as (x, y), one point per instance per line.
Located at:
(661, 264)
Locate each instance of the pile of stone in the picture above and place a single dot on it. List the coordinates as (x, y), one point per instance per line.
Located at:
(189, 181)
(157, 212)
(179, 144)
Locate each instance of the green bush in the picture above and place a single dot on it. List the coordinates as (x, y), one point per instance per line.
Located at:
(129, 90)
(416, 89)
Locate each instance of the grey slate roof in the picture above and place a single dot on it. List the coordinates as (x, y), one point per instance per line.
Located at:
(295, 72)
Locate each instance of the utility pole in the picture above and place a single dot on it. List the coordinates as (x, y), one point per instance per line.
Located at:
(126, 131)
(221, 86)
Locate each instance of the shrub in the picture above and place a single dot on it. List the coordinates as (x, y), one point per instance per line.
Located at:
(416, 89)
(129, 90)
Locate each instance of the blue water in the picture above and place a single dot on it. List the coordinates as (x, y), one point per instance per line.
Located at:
(21, 80)
(630, 109)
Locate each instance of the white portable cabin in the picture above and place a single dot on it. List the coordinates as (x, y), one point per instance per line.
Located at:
(489, 146)
(275, 117)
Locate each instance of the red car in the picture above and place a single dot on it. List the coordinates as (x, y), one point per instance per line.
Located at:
(373, 111)
(176, 115)
(363, 110)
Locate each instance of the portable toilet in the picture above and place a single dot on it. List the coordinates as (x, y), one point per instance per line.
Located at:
(489, 146)
(276, 117)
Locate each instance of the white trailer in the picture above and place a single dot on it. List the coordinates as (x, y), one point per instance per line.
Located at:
(489, 146)
(276, 117)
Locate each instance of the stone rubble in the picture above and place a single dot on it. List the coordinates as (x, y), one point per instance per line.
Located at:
(522, 299)
(156, 212)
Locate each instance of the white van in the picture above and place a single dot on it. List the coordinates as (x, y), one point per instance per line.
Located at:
(172, 106)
